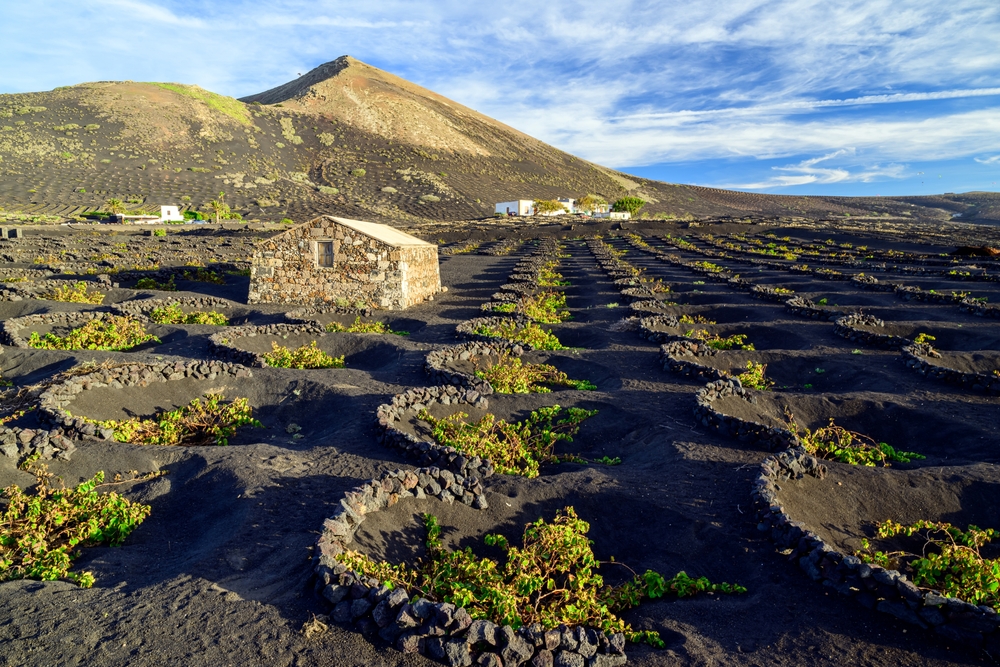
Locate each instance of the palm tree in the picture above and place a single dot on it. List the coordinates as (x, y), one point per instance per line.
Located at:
(114, 206)
(219, 207)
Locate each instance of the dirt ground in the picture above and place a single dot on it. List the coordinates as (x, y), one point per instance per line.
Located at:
(221, 573)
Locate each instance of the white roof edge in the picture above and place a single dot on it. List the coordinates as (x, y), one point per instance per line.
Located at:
(384, 233)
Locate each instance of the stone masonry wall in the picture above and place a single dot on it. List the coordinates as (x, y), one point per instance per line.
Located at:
(366, 271)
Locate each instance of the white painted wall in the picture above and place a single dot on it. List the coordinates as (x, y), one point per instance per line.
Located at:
(516, 207)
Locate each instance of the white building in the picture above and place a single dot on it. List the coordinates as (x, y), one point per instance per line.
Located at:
(613, 215)
(170, 214)
(527, 207)
(516, 207)
(568, 204)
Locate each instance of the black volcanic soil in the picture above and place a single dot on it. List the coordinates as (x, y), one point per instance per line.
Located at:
(220, 573)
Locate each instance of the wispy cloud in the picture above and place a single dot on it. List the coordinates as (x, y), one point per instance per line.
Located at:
(995, 159)
(810, 172)
(147, 11)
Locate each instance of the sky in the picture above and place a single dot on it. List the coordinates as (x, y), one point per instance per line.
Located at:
(836, 97)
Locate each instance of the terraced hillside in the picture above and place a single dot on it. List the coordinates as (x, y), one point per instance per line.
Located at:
(345, 137)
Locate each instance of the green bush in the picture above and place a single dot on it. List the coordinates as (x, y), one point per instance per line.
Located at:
(358, 173)
(836, 443)
(529, 333)
(718, 342)
(628, 204)
(552, 579)
(364, 327)
(42, 530)
(152, 283)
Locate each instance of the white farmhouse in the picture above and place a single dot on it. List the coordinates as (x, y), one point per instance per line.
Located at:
(170, 214)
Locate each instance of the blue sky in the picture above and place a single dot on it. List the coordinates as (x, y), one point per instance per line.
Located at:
(790, 96)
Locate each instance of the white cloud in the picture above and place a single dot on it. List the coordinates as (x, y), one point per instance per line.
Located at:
(146, 11)
(995, 159)
(808, 172)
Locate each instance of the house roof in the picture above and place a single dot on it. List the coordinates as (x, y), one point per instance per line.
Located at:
(383, 233)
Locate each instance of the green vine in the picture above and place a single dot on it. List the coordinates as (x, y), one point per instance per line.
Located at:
(41, 531)
(552, 579)
(172, 314)
(509, 375)
(514, 448)
(113, 333)
(204, 421)
(306, 356)
(529, 333)
(836, 443)
(949, 561)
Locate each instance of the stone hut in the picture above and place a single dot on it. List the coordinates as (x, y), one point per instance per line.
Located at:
(347, 262)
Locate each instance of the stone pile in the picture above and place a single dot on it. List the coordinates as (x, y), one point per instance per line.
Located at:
(915, 357)
(849, 327)
(770, 437)
(427, 452)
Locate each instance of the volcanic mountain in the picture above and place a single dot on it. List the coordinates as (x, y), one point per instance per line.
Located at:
(345, 138)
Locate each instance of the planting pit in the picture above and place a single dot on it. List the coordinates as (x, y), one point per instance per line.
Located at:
(845, 506)
(360, 351)
(884, 418)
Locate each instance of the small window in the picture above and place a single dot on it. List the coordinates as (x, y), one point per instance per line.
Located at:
(324, 253)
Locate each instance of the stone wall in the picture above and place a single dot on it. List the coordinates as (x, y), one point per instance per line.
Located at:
(366, 272)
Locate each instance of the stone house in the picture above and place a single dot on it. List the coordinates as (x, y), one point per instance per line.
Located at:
(346, 262)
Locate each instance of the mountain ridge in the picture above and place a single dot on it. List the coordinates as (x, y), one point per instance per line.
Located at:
(345, 138)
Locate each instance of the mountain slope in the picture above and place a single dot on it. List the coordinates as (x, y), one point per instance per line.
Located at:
(345, 138)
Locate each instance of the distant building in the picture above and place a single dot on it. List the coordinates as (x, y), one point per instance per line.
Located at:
(568, 204)
(167, 214)
(171, 214)
(613, 215)
(524, 207)
(516, 207)
(331, 260)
